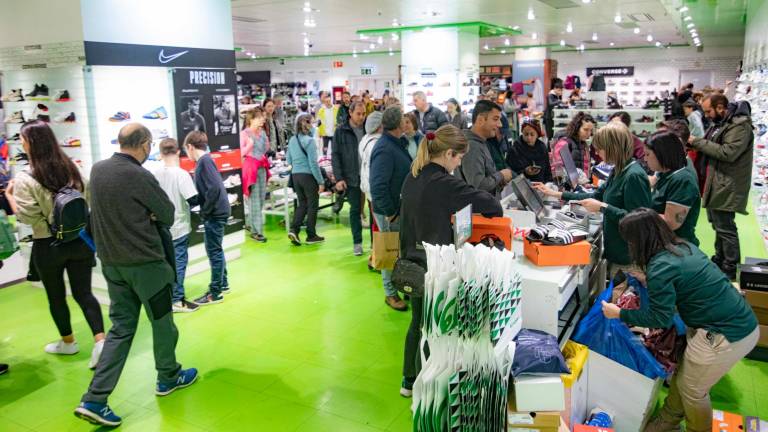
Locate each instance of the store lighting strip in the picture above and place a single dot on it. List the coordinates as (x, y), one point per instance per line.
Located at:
(486, 29)
(616, 48)
(315, 56)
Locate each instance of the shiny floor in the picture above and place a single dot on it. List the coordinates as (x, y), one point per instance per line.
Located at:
(303, 343)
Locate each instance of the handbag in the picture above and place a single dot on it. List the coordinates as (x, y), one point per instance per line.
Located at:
(408, 277)
(8, 243)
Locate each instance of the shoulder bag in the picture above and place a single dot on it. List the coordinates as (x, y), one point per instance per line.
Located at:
(408, 277)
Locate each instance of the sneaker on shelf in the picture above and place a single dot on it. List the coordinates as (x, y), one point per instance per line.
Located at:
(63, 96)
(61, 347)
(15, 137)
(232, 181)
(413, 84)
(120, 116)
(157, 114)
(396, 303)
(315, 239)
(65, 117)
(40, 109)
(44, 117)
(159, 133)
(232, 198)
(186, 378)
(39, 92)
(98, 414)
(294, 238)
(184, 306)
(429, 84)
(96, 354)
(429, 93)
(358, 249)
(259, 237)
(15, 117)
(71, 142)
(14, 96)
(208, 299)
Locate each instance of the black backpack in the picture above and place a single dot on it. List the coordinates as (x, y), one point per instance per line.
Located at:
(70, 215)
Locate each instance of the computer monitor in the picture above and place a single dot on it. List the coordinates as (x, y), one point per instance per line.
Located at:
(526, 195)
(570, 167)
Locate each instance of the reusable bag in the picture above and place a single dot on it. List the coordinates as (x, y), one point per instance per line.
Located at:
(386, 249)
(8, 243)
(538, 353)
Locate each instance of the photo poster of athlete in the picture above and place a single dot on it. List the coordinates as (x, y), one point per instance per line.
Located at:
(224, 115)
(205, 101)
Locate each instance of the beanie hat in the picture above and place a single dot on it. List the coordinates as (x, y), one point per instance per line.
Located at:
(392, 118)
(373, 121)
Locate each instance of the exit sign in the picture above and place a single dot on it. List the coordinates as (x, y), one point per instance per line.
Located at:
(367, 70)
(338, 64)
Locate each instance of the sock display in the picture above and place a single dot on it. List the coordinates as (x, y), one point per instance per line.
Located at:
(471, 314)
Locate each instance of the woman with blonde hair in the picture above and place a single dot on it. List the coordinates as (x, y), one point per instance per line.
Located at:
(626, 189)
(430, 196)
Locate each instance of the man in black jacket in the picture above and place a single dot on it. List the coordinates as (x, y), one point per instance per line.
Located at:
(346, 168)
(430, 118)
(127, 204)
(343, 115)
(214, 210)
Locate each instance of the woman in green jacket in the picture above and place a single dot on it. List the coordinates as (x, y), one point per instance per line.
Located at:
(626, 189)
(722, 328)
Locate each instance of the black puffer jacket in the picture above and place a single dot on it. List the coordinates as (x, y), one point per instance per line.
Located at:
(433, 119)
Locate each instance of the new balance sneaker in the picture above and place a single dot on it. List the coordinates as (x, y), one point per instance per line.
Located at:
(63, 96)
(98, 414)
(315, 239)
(185, 306)
(156, 114)
(120, 116)
(14, 96)
(65, 117)
(208, 299)
(15, 117)
(186, 378)
(96, 354)
(62, 348)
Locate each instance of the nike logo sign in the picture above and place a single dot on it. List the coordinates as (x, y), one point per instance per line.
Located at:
(165, 59)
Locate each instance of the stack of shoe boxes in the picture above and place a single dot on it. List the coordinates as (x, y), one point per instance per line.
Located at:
(753, 280)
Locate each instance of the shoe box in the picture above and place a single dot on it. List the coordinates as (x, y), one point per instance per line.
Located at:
(539, 421)
(723, 421)
(754, 424)
(498, 227)
(545, 255)
(753, 274)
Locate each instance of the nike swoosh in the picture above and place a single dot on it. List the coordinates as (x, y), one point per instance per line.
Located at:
(165, 59)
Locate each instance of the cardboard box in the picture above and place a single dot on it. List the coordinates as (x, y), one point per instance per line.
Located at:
(534, 393)
(759, 302)
(753, 277)
(498, 226)
(543, 255)
(583, 428)
(763, 341)
(577, 357)
(754, 424)
(544, 421)
(726, 422)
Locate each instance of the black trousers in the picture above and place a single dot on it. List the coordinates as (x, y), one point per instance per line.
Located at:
(76, 258)
(327, 141)
(308, 196)
(412, 357)
(727, 248)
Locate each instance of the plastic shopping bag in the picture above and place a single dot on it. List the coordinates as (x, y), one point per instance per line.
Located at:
(613, 339)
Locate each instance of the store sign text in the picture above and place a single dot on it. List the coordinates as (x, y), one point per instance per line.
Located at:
(207, 77)
(611, 71)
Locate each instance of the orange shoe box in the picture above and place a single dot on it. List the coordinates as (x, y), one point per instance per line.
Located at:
(498, 226)
(727, 422)
(543, 255)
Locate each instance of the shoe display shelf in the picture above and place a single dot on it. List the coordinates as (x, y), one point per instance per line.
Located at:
(643, 120)
(54, 95)
(634, 92)
(439, 87)
(757, 84)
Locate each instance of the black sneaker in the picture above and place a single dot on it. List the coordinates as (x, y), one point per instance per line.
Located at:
(33, 93)
(294, 238)
(208, 299)
(3, 368)
(42, 90)
(315, 239)
(63, 96)
(185, 306)
(225, 291)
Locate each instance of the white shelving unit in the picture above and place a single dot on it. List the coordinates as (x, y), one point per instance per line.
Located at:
(563, 116)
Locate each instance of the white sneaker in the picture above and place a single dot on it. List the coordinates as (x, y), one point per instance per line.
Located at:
(61, 347)
(96, 354)
(404, 392)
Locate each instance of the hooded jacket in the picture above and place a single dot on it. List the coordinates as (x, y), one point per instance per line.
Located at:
(477, 167)
(521, 156)
(729, 160)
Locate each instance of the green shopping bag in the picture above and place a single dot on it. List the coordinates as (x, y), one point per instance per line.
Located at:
(8, 243)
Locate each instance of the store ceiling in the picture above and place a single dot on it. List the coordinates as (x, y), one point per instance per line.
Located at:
(269, 28)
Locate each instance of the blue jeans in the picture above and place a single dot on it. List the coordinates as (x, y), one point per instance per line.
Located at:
(214, 234)
(181, 248)
(386, 275)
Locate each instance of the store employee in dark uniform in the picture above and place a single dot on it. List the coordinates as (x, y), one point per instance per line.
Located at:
(430, 196)
(626, 189)
(676, 192)
(722, 328)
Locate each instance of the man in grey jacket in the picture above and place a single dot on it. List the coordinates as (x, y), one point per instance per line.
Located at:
(430, 118)
(728, 149)
(477, 167)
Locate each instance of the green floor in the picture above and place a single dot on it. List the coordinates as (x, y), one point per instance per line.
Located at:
(304, 343)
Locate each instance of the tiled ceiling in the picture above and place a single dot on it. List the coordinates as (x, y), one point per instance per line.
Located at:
(277, 28)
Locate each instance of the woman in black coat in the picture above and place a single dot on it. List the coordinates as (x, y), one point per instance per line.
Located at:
(529, 154)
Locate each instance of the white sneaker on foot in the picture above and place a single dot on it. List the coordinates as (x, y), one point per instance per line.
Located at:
(61, 347)
(96, 354)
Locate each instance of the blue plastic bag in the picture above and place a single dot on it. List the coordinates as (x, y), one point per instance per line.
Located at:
(642, 292)
(613, 339)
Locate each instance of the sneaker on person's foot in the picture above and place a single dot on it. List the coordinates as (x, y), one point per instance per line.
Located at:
(96, 354)
(314, 239)
(259, 237)
(3, 368)
(186, 378)
(208, 299)
(294, 238)
(406, 388)
(184, 306)
(225, 290)
(98, 414)
(358, 249)
(61, 347)
(396, 303)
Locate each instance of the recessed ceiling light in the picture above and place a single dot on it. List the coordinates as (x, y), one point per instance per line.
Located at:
(697, 40)
(683, 9)
(534, 35)
(503, 51)
(636, 30)
(581, 47)
(366, 51)
(586, 1)
(363, 37)
(658, 43)
(485, 47)
(617, 18)
(395, 36)
(307, 7)
(611, 44)
(506, 42)
(569, 27)
(688, 18)
(380, 40)
(372, 46)
(562, 42)
(649, 38)
(394, 22)
(691, 25)
(531, 15)
(594, 36)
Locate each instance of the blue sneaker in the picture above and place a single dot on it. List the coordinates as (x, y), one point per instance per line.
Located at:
(157, 114)
(98, 414)
(186, 378)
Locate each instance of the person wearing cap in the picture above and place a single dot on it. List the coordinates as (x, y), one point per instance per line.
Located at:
(454, 114)
(390, 164)
(695, 124)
